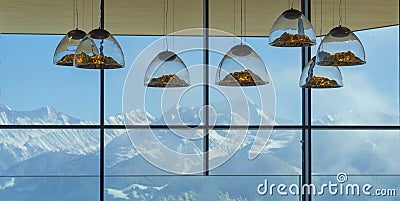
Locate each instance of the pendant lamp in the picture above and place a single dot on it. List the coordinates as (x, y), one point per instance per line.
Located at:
(292, 29)
(341, 47)
(99, 49)
(316, 76)
(241, 66)
(65, 51)
(167, 69)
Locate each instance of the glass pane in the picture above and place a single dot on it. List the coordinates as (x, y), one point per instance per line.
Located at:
(49, 152)
(34, 91)
(284, 66)
(280, 156)
(49, 188)
(279, 99)
(354, 188)
(157, 105)
(170, 151)
(115, 79)
(191, 188)
(371, 92)
(356, 152)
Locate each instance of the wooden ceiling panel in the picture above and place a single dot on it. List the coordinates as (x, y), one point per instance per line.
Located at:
(146, 17)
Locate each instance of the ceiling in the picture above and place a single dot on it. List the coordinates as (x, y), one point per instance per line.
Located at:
(146, 17)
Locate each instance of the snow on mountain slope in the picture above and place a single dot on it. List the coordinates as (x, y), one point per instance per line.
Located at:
(57, 163)
(44, 115)
(136, 192)
(137, 117)
(18, 145)
(118, 150)
(357, 118)
(6, 183)
(225, 115)
(274, 159)
(75, 151)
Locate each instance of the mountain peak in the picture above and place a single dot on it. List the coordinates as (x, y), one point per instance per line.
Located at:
(48, 110)
(4, 107)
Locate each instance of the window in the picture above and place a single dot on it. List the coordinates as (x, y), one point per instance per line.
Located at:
(370, 95)
(34, 85)
(51, 126)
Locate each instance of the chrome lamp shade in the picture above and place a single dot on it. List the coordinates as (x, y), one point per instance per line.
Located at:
(292, 29)
(341, 47)
(167, 70)
(241, 67)
(316, 76)
(65, 51)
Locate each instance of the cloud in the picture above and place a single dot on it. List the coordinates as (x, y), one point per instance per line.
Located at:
(359, 95)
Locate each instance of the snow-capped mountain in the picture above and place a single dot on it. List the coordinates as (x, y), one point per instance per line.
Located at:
(136, 192)
(75, 152)
(44, 115)
(17, 146)
(135, 116)
(358, 119)
(225, 114)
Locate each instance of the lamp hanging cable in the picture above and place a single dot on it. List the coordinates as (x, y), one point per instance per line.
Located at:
(101, 25)
(292, 4)
(333, 13)
(234, 21)
(314, 15)
(164, 21)
(245, 20)
(234, 17)
(166, 24)
(320, 27)
(345, 13)
(83, 14)
(101, 18)
(340, 12)
(173, 24)
(76, 14)
(325, 23)
(92, 13)
(241, 21)
(320, 16)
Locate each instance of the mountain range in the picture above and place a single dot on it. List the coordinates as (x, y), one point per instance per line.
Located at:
(69, 156)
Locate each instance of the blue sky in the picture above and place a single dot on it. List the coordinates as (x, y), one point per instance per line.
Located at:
(29, 80)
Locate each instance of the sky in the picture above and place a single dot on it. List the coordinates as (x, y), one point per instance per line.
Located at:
(29, 80)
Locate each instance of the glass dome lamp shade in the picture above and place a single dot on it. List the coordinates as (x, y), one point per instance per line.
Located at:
(99, 50)
(341, 47)
(65, 51)
(167, 70)
(316, 76)
(241, 66)
(292, 29)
